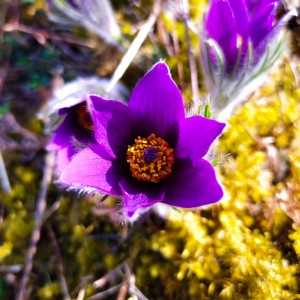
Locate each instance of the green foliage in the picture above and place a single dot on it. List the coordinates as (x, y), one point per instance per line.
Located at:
(207, 110)
(49, 291)
(4, 108)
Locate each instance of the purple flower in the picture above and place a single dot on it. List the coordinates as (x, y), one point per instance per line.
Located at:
(77, 125)
(235, 23)
(241, 42)
(148, 152)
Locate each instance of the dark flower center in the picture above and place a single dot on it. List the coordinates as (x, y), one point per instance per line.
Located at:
(84, 118)
(150, 154)
(151, 159)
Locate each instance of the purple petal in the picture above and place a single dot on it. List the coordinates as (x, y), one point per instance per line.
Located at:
(113, 125)
(253, 6)
(67, 103)
(157, 102)
(93, 167)
(220, 12)
(62, 136)
(271, 36)
(85, 137)
(138, 195)
(64, 110)
(193, 185)
(64, 156)
(196, 134)
(221, 26)
(68, 130)
(262, 23)
(240, 13)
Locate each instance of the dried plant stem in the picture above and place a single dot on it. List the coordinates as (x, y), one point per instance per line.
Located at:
(177, 53)
(54, 207)
(108, 277)
(10, 269)
(122, 292)
(134, 47)
(4, 180)
(81, 294)
(132, 288)
(136, 292)
(5, 184)
(60, 267)
(108, 292)
(39, 212)
(192, 61)
(43, 35)
(80, 288)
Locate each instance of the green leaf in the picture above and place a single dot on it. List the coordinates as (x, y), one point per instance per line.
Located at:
(4, 108)
(207, 111)
(199, 110)
(216, 161)
(177, 209)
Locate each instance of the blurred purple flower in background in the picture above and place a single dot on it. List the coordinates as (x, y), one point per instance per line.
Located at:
(148, 152)
(241, 41)
(68, 117)
(77, 126)
(233, 24)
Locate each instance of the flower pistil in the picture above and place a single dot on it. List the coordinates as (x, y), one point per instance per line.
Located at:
(151, 159)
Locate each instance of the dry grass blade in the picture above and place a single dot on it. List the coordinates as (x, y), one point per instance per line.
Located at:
(5, 184)
(108, 292)
(192, 61)
(60, 266)
(134, 47)
(108, 277)
(39, 212)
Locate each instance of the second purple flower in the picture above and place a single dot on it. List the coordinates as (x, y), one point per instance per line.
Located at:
(233, 24)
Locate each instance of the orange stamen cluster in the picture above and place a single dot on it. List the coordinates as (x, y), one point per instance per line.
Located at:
(84, 118)
(151, 159)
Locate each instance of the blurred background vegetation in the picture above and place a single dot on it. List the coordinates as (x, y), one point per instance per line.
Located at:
(245, 247)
